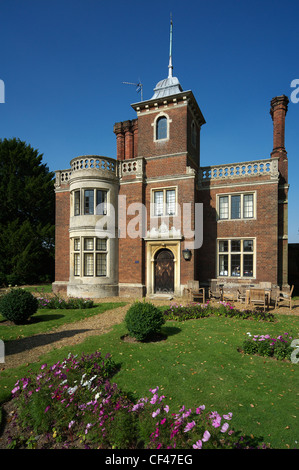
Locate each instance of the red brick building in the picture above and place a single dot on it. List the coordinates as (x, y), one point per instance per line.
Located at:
(173, 221)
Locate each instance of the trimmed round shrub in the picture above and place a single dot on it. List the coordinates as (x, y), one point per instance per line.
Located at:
(18, 305)
(143, 320)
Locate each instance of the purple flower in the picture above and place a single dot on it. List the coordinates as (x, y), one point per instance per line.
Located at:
(155, 413)
(189, 426)
(14, 390)
(154, 399)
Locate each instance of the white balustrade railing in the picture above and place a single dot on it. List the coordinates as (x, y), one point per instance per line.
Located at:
(239, 170)
(94, 163)
(106, 166)
(62, 176)
(131, 167)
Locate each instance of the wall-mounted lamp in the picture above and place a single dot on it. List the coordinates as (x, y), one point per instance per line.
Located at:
(187, 254)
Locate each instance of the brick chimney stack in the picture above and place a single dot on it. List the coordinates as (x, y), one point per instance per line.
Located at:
(279, 108)
(126, 139)
(278, 111)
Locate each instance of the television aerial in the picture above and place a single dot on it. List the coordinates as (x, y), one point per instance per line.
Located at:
(139, 87)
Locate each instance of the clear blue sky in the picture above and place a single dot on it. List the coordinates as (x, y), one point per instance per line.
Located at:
(63, 63)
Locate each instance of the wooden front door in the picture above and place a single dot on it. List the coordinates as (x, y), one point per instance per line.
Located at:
(164, 272)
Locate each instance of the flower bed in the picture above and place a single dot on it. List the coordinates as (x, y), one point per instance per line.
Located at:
(73, 404)
(55, 302)
(266, 345)
(197, 310)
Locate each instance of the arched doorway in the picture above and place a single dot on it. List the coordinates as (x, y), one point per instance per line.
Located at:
(164, 271)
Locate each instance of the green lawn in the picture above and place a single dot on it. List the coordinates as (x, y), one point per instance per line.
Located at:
(42, 289)
(44, 320)
(199, 364)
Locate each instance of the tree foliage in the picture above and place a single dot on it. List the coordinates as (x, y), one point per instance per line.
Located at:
(27, 215)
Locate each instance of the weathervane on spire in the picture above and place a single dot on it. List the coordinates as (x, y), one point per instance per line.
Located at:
(170, 67)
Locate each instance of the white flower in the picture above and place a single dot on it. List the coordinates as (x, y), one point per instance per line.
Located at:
(72, 390)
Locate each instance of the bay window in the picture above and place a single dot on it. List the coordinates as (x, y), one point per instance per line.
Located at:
(93, 252)
(94, 201)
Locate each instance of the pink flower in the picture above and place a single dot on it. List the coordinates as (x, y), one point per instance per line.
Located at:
(155, 413)
(224, 427)
(47, 409)
(166, 408)
(198, 445)
(206, 436)
(200, 409)
(154, 399)
(189, 426)
(228, 416)
(216, 422)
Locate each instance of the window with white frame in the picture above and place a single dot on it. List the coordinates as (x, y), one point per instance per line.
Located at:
(94, 202)
(236, 257)
(236, 206)
(164, 202)
(94, 256)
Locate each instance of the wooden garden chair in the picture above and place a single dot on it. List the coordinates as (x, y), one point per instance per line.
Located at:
(199, 295)
(258, 297)
(284, 297)
(215, 291)
(241, 295)
(196, 293)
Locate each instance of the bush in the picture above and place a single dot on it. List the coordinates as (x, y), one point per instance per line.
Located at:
(143, 320)
(265, 345)
(18, 305)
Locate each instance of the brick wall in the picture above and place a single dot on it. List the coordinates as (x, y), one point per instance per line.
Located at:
(264, 228)
(131, 250)
(177, 141)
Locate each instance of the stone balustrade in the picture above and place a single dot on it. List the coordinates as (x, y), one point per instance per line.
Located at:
(239, 170)
(62, 177)
(106, 167)
(94, 162)
(131, 167)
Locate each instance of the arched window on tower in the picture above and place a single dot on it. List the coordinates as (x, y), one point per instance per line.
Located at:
(161, 128)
